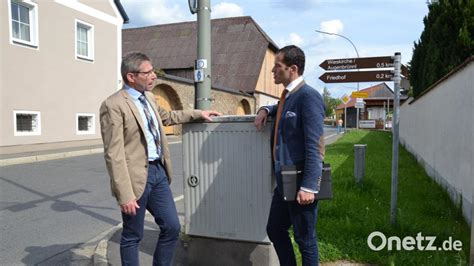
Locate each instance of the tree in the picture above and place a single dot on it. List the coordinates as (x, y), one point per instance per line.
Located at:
(446, 42)
(329, 102)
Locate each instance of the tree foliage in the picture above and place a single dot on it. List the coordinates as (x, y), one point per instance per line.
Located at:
(446, 42)
(329, 102)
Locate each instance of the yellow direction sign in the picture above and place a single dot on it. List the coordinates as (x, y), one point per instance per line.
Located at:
(345, 99)
(359, 94)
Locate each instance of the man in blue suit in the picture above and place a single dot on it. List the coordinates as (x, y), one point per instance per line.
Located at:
(298, 140)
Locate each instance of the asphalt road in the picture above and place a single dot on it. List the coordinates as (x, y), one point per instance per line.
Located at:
(47, 208)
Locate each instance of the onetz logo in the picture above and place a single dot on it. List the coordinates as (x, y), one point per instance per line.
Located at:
(420, 242)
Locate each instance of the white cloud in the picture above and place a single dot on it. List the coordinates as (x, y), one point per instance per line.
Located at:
(295, 5)
(332, 26)
(153, 12)
(225, 10)
(292, 39)
(296, 39)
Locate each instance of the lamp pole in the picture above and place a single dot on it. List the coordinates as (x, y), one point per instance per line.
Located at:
(357, 52)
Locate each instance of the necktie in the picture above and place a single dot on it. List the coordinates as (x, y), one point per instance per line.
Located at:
(151, 124)
(281, 103)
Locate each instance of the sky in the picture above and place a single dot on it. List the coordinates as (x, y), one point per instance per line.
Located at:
(376, 27)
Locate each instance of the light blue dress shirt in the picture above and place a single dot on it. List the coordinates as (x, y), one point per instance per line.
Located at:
(153, 151)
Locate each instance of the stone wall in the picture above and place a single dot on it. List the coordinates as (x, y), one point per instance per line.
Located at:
(225, 102)
(182, 93)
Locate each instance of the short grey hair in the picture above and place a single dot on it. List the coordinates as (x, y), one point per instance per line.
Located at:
(131, 63)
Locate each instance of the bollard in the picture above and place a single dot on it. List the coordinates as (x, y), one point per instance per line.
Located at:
(359, 162)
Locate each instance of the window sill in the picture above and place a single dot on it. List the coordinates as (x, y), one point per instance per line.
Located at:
(23, 43)
(87, 59)
(26, 133)
(85, 132)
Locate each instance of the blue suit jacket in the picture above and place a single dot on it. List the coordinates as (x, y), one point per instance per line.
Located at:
(300, 135)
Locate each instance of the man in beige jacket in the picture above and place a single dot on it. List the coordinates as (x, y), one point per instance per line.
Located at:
(138, 160)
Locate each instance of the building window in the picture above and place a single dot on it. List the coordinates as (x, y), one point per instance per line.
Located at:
(85, 124)
(24, 23)
(84, 41)
(27, 123)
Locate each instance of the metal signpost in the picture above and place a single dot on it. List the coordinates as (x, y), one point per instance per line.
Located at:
(394, 75)
(345, 99)
(395, 123)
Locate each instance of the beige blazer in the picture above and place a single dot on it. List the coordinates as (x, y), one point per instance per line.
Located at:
(125, 149)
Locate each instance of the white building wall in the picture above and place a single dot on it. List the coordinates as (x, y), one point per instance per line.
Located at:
(50, 80)
(438, 130)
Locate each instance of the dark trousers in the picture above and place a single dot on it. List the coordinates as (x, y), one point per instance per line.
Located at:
(303, 218)
(158, 200)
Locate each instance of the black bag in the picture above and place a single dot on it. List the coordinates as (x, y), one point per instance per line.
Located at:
(291, 180)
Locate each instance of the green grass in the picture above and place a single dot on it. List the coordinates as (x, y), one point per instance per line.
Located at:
(345, 222)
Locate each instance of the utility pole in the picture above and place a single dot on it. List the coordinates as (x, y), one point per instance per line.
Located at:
(202, 67)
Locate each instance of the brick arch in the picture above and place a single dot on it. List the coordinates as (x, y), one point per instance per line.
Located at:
(243, 108)
(167, 98)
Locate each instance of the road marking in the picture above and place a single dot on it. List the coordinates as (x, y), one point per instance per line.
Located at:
(178, 198)
(330, 136)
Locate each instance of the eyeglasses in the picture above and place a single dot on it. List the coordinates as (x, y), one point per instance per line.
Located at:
(147, 73)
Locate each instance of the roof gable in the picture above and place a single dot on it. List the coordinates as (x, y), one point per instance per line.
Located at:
(238, 47)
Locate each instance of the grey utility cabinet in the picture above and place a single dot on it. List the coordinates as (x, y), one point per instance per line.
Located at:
(227, 179)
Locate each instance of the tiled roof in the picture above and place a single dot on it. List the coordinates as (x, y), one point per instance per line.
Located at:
(238, 49)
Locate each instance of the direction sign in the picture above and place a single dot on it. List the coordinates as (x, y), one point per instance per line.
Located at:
(345, 99)
(362, 76)
(359, 94)
(357, 63)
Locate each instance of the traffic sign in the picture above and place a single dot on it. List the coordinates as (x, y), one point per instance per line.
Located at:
(357, 63)
(359, 103)
(345, 99)
(361, 76)
(359, 94)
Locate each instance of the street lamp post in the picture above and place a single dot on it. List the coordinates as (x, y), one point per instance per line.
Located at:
(357, 52)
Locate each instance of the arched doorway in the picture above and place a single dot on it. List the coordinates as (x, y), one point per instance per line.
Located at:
(168, 99)
(243, 108)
